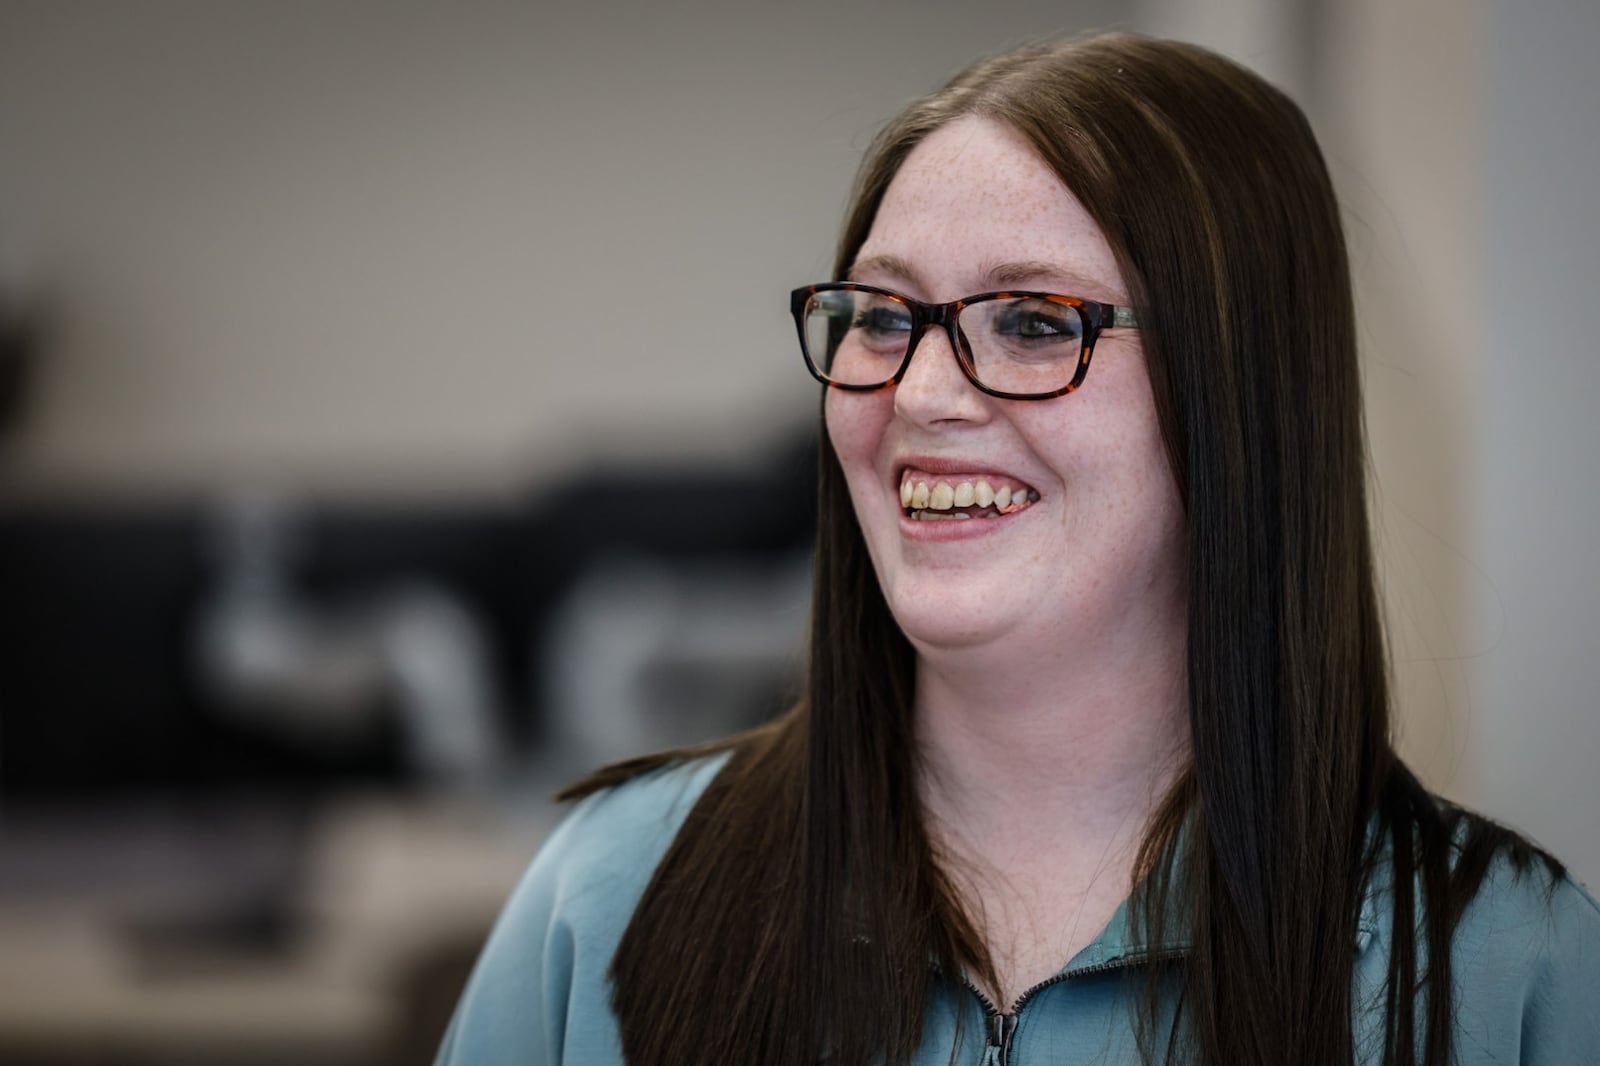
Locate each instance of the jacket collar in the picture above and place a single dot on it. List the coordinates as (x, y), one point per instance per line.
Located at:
(1117, 943)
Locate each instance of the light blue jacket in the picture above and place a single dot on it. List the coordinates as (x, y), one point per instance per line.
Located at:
(1527, 965)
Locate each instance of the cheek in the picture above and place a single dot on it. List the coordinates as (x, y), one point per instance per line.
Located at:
(1110, 454)
(1142, 511)
(855, 423)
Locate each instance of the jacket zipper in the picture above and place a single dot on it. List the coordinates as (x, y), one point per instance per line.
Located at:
(1001, 1026)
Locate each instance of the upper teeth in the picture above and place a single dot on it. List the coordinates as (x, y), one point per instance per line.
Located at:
(942, 495)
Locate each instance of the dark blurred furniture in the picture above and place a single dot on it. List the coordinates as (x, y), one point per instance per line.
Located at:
(98, 601)
(179, 884)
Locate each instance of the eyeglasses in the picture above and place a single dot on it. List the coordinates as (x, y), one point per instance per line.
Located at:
(1014, 345)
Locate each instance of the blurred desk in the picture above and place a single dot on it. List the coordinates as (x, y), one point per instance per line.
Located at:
(104, 955)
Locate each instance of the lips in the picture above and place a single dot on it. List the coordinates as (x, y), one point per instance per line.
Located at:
(946, 496)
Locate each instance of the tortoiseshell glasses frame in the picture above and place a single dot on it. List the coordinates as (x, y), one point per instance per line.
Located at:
(1092, 316)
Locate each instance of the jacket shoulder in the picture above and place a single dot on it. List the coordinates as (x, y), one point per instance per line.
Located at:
(540, 991)
(1524, 952)
(1526, 957)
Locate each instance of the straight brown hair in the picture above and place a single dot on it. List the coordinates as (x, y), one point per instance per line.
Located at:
(796, 913)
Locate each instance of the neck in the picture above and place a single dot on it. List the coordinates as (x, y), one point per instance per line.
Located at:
(1017, 754)
(1037, 789)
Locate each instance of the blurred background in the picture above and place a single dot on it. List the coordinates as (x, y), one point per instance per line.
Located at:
(368, 466)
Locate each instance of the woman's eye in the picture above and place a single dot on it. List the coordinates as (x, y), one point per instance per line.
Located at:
(1032, 323)
(881, 320)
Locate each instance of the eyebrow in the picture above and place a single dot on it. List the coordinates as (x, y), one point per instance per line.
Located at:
(887, 264)
(997, 275)
(1031, 269)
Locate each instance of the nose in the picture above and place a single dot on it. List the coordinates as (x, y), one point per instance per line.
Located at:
(935, 388)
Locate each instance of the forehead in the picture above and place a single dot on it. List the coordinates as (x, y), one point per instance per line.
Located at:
(973, 201)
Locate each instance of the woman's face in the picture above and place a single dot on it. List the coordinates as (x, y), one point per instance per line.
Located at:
(1096, 560)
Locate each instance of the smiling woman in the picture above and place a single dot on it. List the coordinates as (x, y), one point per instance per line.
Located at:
(1094, 762)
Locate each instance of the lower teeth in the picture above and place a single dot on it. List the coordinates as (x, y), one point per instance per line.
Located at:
(926, 515)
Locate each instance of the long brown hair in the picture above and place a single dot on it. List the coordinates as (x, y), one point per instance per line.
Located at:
(797, 911)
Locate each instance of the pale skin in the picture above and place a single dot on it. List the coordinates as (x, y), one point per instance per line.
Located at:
(1050, 643)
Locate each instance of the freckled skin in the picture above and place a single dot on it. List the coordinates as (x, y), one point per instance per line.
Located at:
(1093, 572)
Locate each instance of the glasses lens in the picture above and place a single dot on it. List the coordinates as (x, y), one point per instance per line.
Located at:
(1023, 344)
(856, 338)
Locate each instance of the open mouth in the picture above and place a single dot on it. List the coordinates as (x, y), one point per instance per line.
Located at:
(945, 499)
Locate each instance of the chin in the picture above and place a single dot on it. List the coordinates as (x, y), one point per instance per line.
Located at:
(943, 618)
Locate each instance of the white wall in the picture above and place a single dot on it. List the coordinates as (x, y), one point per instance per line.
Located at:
(1402, 124)
(1536, 513)
(422, 245)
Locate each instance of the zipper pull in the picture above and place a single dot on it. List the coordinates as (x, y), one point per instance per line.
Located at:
(1002, 1027)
